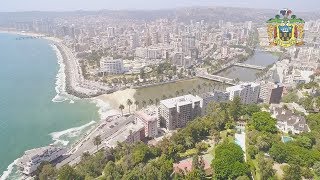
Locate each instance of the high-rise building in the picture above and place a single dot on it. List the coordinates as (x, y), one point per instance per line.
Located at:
(215, 96)
(177, 112)
(111, 66)
(248, 92)
(271, 93)
(188, 43)
(111, 31)
(149, 118)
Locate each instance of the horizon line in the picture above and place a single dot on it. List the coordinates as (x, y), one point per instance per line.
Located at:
(137, 9)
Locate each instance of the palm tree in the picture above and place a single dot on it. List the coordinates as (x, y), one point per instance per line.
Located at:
(157, 101)
(177, 93)
(137, 104)
(144, 103)
(204, 86)
(150, 101)
(121, 107)
(164, 97)
(182, 91)
(97, 141)
(129, 103)
(223, 85)
(199, 87)
(194, 91)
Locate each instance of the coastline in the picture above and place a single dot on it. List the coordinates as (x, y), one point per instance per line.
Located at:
(75, 84)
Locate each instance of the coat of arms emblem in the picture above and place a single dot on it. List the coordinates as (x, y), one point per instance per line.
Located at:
(286, 31)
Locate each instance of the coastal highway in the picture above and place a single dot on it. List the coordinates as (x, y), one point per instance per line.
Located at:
(106, 128)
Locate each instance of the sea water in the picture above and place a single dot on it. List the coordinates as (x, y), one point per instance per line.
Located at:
(34, 109)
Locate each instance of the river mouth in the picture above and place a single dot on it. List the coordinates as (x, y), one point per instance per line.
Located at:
(259, 58)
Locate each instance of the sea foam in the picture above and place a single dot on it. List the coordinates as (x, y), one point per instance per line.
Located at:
(60, 78)
(105, 109)
(6, 173)
(69, 133)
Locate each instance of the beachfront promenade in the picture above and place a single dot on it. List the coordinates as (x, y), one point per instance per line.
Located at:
(107, 129)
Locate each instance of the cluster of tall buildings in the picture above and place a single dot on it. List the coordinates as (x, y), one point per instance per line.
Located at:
(176, 112)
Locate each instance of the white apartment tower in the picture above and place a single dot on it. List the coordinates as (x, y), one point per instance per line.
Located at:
(111, 66)
(248, 92)
(177, 112)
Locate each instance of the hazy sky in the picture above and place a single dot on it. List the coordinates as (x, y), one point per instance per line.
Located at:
(63, 5)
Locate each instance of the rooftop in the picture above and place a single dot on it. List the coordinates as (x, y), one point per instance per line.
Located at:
(180, 101)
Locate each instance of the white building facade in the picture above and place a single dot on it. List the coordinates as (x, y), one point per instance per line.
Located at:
(177, 112)
(111, 66)
(248, 92)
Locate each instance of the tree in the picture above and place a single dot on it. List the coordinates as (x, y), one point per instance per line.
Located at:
(262, 121)
(150, 101)
(67, 172)
(97, 141)
(236, 108)
(137, 104)
(265, 167)
(307, 173)
(177, 93)
(164, 97)
(194, 91)
(111, 171)
(318, 102)
(316, 168)
(304, 141)
(121, 107)
(250, 109)
(157, 101)
(292, 172)
(243, 178)
(144, 103)
(129, 103)
(48, 172)
(229, 161)
(278, 152)
(199, 88)
(290, 97)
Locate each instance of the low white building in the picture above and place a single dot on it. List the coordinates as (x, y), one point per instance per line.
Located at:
(31, 159)
(289, 122)
(111, 66)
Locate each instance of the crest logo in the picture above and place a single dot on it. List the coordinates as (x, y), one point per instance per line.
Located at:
(286, 31)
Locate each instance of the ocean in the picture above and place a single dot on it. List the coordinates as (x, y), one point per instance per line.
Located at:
(34, 110)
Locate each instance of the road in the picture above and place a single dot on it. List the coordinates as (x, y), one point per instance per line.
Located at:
(104, 129)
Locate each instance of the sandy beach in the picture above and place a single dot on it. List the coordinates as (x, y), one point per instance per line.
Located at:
(119, 97)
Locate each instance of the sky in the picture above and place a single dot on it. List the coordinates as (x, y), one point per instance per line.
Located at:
(68, 5)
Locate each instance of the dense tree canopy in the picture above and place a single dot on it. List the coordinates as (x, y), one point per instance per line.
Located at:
(229, 161)
(262, 121)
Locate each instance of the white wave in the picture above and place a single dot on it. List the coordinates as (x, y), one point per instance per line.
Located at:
(60, 78)
(6, 173)
(71, 102)
(72, 132)
(105, 109)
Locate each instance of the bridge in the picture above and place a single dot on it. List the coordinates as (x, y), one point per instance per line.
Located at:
(216, 78)
(249, 66)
